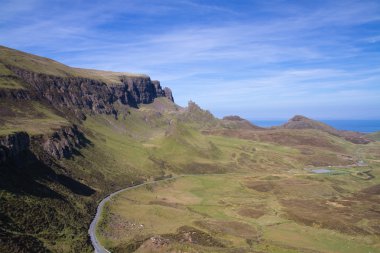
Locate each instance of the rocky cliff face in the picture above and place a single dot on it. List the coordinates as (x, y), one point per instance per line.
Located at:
(63, 143)
(168, 93)
(88, 95)
(13, 145)
(17, 94)
(138, 90)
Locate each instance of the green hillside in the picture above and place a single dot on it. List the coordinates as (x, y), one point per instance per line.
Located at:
(37, 64)
(64, 147)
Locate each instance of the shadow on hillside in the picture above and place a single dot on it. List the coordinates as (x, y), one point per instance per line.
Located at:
(30, 176)
(75, 186)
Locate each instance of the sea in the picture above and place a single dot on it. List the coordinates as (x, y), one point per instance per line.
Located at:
(363, 126)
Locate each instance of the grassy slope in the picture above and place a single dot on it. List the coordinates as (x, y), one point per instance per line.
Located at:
(50, 67)
(8, 80)
(30, 116)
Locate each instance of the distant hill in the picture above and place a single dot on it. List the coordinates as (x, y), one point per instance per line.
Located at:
(302, 122)
(235, 121)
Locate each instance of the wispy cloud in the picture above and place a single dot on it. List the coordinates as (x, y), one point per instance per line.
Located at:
(239, 55)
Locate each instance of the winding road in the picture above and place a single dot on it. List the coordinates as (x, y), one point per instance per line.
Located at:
(92, 230)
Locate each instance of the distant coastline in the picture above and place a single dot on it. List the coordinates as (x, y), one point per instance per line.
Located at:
(364, 126)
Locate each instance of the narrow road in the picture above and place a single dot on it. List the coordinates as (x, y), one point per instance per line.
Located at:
(92, 230)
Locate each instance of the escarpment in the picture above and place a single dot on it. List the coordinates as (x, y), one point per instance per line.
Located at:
(63, 143)
(138, 90)
(89, 95)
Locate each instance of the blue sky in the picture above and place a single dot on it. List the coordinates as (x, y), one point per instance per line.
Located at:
(257, 59)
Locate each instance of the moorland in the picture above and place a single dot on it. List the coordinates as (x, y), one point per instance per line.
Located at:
(69, 137)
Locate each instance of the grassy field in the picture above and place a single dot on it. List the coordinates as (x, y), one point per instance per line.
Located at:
(250, 212)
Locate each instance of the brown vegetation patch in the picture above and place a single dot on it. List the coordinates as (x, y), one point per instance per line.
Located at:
(188, 234)
(165, 203)
(372, 190)
(305, 188)
(251, 213)
(201, 168)
(271, 177)
(324, 158)
(286, 137)
(306, 151)
(235, 228)
(260, 186)
(155, 244)
(342, 216)
(292, 187)
(128, 247)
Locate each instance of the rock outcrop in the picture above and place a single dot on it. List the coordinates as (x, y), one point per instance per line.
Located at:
(65, 142)
(194, 113)
(11, 146)
(138, 90)
(169, 94)
(89, 95)
(16, 94)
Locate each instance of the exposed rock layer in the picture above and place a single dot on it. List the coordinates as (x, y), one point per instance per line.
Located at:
(18, 94)
(63, 143)
(88, 95)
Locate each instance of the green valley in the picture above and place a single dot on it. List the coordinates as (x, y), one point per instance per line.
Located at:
(70, 137)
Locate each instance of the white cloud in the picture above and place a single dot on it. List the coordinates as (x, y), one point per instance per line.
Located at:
(287, 56)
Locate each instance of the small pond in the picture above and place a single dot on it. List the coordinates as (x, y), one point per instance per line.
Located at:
(321, 171)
